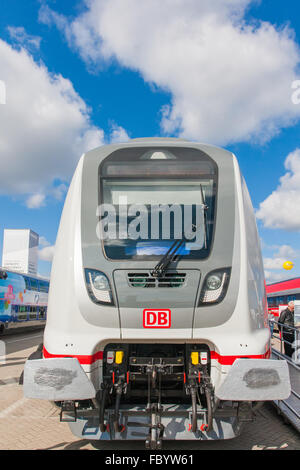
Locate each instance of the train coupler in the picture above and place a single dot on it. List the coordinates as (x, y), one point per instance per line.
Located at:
(199, 384)
(156, 431)
(117, 385)
(68, 412)
(120, 387)
(156, 428)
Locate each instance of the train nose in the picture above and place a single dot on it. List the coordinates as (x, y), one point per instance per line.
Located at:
(153, 304)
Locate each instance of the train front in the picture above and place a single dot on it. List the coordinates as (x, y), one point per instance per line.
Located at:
(157, 293)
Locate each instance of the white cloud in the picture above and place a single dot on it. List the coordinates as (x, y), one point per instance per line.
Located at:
(286, 252)
(276, 277)
(283, 253)
(46, 253)
(281, 208)
(35, 201)
(19, 35)
(229, 80)
(43, 241)
(48, 16)
(118, 134)
(44, 127)
(274, 264)
(59, 191)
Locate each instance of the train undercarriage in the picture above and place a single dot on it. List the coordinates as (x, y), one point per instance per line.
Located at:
(156, 392)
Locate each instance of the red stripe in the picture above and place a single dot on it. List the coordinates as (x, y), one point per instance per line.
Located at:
(82, 359)
(224, 360)
(229, 360)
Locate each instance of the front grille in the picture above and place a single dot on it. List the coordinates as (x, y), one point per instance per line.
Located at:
(146, 280)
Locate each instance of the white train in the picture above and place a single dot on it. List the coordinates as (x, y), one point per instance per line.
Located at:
(157, 316)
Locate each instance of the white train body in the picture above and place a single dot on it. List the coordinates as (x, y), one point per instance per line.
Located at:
(209, 338)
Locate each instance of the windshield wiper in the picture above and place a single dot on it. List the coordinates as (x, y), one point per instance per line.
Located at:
(162, 265)
(205, 207)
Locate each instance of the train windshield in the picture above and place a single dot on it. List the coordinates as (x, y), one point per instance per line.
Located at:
(155, 199)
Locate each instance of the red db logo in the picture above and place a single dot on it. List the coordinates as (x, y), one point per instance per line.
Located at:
(157, 318)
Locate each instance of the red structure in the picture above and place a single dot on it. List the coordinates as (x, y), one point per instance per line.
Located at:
(279, 294)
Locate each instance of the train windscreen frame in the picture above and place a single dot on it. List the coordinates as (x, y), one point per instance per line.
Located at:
(151, 178)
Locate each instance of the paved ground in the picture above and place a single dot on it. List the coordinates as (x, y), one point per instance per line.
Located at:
(34, 424)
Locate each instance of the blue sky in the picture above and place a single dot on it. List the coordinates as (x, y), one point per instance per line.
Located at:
(112, 70)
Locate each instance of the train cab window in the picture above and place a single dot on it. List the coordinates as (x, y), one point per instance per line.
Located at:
(27, 283)
(42, 313)
(44, 286)
(33, 312)
(34, 284)
(22, 313)
(175, 189)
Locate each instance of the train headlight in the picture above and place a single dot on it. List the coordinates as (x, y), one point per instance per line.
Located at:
(215, 286)
(98, 287)
(214, 282)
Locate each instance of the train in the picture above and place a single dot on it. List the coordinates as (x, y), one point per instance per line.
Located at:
(23, 300)
(157, 325)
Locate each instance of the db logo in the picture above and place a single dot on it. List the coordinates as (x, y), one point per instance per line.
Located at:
(160, 318)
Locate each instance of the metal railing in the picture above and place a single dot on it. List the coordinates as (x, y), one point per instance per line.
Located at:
(288, 338)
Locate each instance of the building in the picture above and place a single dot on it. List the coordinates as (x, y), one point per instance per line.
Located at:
(281, 293)
(20, 251)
